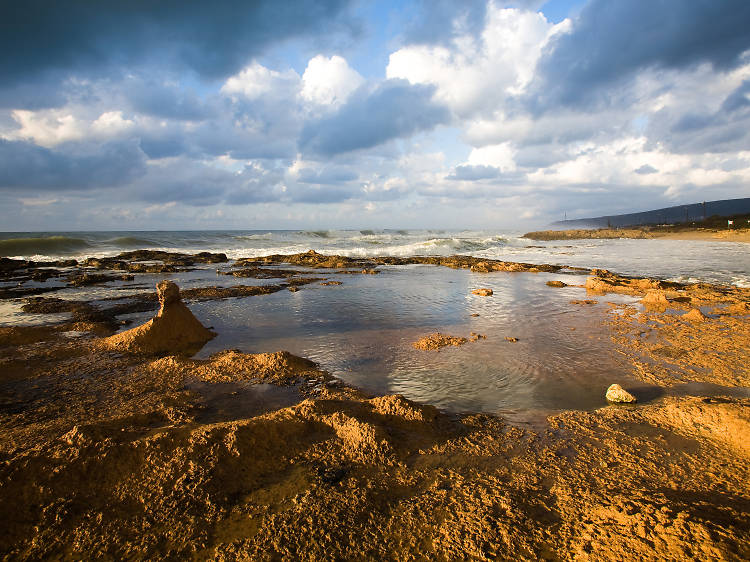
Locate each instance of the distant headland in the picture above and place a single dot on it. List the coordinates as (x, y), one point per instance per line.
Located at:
(706, 213)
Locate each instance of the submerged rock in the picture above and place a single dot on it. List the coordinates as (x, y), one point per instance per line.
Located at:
(174, 330)
(617, 394)
(437, 340)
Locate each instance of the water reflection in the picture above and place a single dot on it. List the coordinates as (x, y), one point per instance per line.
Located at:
(362, 332)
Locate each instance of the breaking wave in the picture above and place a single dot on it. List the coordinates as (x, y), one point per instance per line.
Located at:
(41, 245)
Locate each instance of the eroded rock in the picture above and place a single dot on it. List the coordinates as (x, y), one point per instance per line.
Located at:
(695, 315)
(174, 330)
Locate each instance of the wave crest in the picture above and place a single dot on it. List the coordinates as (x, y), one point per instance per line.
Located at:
(41, 245)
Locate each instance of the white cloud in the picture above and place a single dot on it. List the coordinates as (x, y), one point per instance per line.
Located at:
(46, 128)
(51, 127)
(476, 74)
(329, 81)
(111, 123)
(498, 156)
(255, 81)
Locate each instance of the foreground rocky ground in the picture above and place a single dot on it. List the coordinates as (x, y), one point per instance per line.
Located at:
(122, 455)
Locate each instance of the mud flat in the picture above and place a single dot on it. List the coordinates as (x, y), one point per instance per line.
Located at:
(107, 453)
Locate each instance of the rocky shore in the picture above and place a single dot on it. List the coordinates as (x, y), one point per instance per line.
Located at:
(115, 447)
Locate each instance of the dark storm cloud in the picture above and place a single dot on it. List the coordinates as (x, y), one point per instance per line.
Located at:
(393, 109)
(25, 165)
(473, 173)
(612, 40)
(53, 39)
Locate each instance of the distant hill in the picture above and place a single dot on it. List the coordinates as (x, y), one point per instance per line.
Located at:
(694, 212)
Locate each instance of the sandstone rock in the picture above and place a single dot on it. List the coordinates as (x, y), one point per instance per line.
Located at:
(656, 299)
(174, 330)
(482, 292)
(695, 315)
(617, 394)
(597, 285)
(511, 339)
(556, 284)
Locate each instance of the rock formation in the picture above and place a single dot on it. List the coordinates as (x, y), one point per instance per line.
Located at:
(174, 330)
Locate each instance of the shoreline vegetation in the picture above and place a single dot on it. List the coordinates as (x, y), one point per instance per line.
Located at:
(110, 451)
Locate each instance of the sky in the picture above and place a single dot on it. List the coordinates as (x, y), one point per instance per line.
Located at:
(184, 114)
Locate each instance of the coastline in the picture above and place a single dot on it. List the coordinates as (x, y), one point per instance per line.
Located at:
(112, 452)
(708, 235)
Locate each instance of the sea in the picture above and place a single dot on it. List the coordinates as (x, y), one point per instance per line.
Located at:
(361, 331)
(686, 261)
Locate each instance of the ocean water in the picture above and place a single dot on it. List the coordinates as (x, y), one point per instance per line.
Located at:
(716, 262)
(362, 331)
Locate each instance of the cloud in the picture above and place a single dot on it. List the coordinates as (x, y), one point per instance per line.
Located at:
(329, 81)
(71, 167)
(479, 72)
(738, 99)
(56, 39)
(473, 173)
(440, 21)
(256, 81)
(372, 116)
(611, 41)
(165, 99)
(327, 175)
(645, 169)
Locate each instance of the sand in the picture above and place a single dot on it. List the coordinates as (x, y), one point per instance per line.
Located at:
(103, 454)
(739, 235)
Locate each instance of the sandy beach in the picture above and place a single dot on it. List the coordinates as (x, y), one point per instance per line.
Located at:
(704, 234)
(111, 449)
(739, 235)
(708, 235)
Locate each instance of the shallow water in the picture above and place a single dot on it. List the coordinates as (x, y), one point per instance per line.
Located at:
(362, 332)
